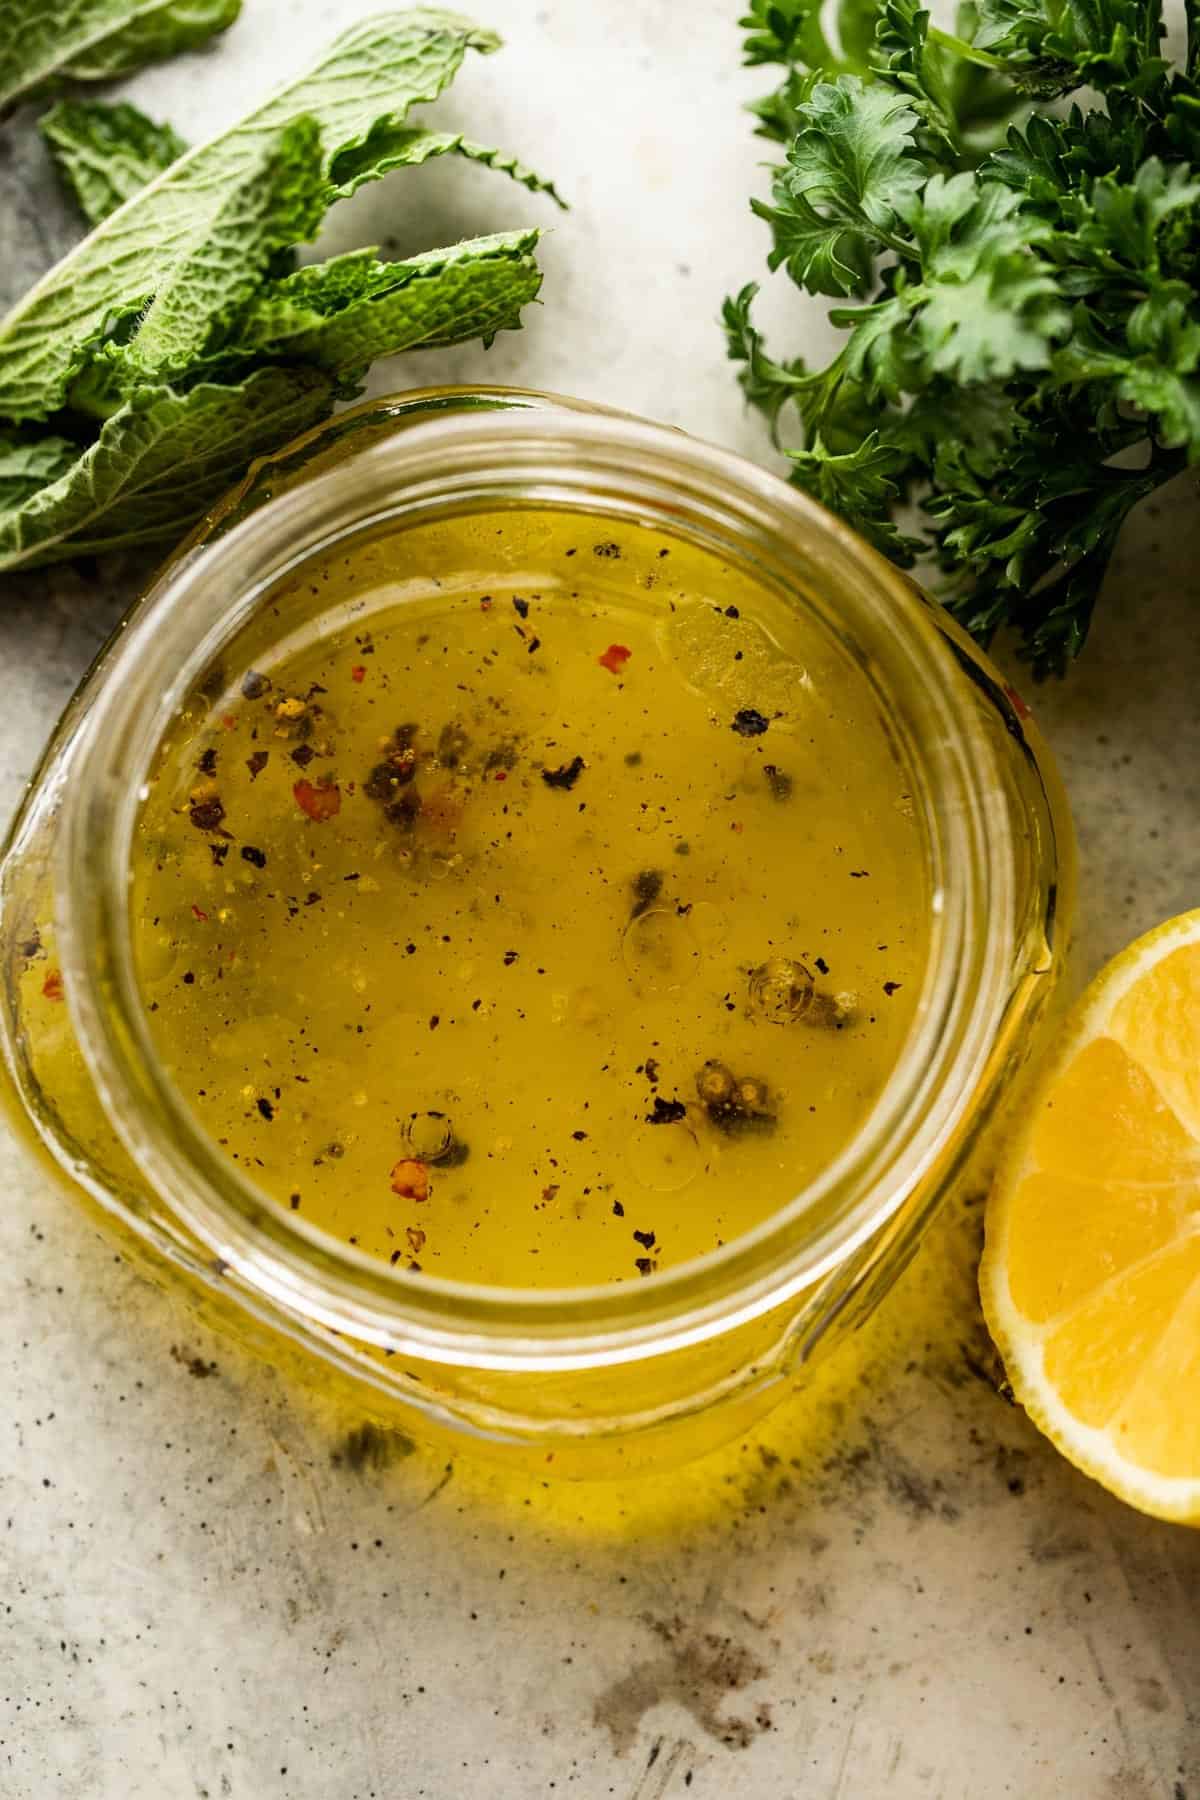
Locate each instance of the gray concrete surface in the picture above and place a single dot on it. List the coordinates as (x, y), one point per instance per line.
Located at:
(897, 1589)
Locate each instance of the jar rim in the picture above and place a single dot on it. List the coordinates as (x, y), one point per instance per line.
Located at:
(532, 448)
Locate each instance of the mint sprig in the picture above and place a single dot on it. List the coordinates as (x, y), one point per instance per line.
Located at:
(178, 340)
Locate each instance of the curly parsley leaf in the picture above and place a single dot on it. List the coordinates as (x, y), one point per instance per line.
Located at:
(107, 153)
(1025, 363)
(836, 200)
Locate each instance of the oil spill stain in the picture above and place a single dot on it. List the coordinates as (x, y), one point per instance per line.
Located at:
(875, 1465)
(1150, 1693)
(696, 1669)
(1130, 1784)
(1057, 1546)
(369, 1446)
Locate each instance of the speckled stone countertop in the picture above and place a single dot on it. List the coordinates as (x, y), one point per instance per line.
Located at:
(209, 1589)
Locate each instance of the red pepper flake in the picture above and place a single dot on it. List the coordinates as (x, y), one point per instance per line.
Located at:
(228, 720)
(614, 658)
(198, 912)
(735, 826)
(1019, 706)
(358, 672)
(410, 1180)
(485, 605)
(501, 775)
(52, 987)
(318, 803)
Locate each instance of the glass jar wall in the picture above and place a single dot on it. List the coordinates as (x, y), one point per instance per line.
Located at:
(494, 498)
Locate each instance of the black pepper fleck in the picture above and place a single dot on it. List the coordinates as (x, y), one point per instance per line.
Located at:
(566, 776)
(647, 886)
(206, 815)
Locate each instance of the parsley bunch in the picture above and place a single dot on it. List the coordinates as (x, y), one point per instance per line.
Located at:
(1021, 361)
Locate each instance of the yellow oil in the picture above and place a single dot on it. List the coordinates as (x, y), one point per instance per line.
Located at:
(531, 900)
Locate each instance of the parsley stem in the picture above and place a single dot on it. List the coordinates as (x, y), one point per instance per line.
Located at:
(960, 47)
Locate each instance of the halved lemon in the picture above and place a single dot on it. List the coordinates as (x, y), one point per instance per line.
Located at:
(1091, 1272)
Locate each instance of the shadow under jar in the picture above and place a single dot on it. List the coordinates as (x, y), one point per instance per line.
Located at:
(530, 913)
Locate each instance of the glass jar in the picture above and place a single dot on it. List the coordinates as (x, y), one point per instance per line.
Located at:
(599, 1379)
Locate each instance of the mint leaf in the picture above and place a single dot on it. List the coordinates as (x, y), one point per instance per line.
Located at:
(158, 463)
(389, 146)
(375, 71)
(175, 323)
(27, 465)
(474, 289)
(278, 201)
(107, 153)
(97, 40)
(291, 308)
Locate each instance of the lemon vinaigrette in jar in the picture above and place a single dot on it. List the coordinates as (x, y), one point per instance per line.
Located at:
(547, 921)
(534, 911)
